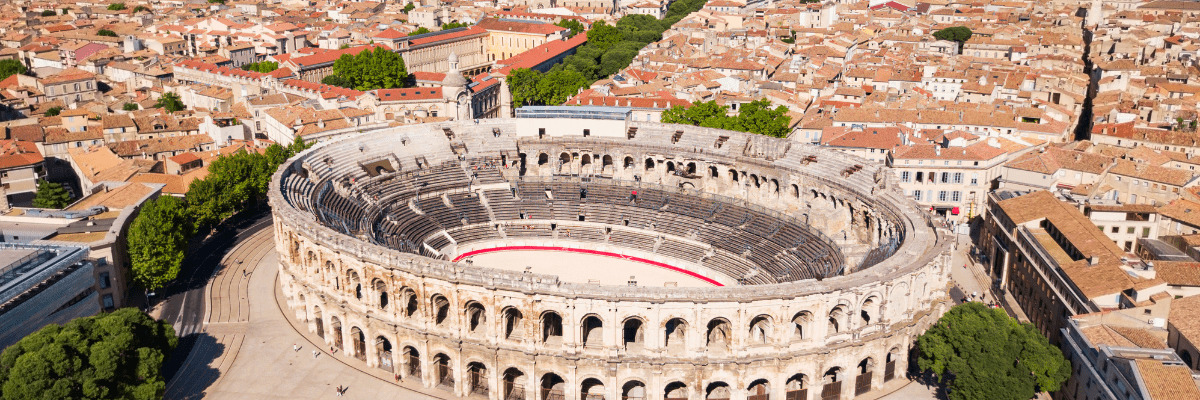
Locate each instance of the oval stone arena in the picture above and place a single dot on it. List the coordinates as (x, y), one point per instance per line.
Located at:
(572, 253)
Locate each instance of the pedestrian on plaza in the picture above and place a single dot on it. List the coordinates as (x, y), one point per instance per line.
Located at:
(316, 353)
(295, 347)
(339, 390)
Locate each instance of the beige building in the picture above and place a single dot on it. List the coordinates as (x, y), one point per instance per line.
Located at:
(952, 178)
(69, 86)
(1125, 224)
(21, 165)
(509, 38)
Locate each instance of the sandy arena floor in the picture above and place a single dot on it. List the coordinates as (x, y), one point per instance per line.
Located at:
(586, 268)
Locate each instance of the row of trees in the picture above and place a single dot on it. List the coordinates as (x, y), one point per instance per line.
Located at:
(158, 236)
(609, 49)
(757, 117)
(261, 66)
(108, 356)
(369, 70)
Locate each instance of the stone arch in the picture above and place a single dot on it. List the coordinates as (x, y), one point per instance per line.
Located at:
(837, 317)
(381, 288)
(633, 334)
(359, 343)
(801, 323)
(543, 158)
(717, 391)
(862, 382)
(476, 379)
(335, 329)
(796, 387)
(832, 383)
(586, 159)
(633, 390)
(331, 271)
(443, 371)
(591, 331)
(564, 158)
(514, 323)
(511, 385)
(552, 387)
(441, 308)
(898, 299)
(670, 166)
(591, 389)
(606, 161)
(675, 391)
(409, 302)
(383, 350)
(628, 163)
(649, 165)
(713, 172)
(691, 168)
(311, 259)
(719, 335)
(889, 367)
(353, 283)
(755, 181)
(759, 389)
(760, 329)
(675, 335)
(869, 311)
(476, 318)
(733, 175)
(552, 328)
(411, 359)
(318, 322)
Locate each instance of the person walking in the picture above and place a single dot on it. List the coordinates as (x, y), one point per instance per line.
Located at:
(316, 353)
(339, 390)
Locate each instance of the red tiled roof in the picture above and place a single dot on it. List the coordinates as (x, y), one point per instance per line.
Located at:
(474, 30)
(332, 55)
(493, 24)
(326, 91)
(540, 54)
(635, 102)
(409, 94)
(16, 153)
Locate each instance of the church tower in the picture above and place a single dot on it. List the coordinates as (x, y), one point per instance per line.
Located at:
(454, 90)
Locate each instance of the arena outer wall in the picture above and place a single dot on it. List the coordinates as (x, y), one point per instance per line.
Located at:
(790, 340)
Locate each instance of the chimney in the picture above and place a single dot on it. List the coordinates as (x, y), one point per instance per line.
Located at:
(1094, 260)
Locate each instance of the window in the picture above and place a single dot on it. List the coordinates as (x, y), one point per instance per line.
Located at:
(1116, 229)
(955, 196)
(1130, 230)
(941, 195)
(905, 176)
(105, 282)
(958, 177)
(945, 177)
(974, 179)
(1145, 232)
(917, 195)
(108, 301)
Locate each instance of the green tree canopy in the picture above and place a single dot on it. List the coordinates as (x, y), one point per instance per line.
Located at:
(982, 353)
(170, 102)
(51, 195)
(956, 33)
(370, 69)
(522, 83)
(116, 6)
(756, 117)
(53, 111)
(158, 238)
(108, 356)
(573, 25)
(106, 32)
(11, 67)
(420, 31)
(48, 13)
(131, 107)
(409, 7)
(139, 9)
(261, 66)
(455, 24)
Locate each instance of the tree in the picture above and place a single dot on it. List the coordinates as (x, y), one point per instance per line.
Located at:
(574, 26)
(53, 111)
(158, 238)
(131, 107)
(51, 195)
(409, 7)
(982, 353)
(109, 356)
(170, 102)
(758, 117)
(10, 67)
(49, 13)
(261, 66)
(556, 87)
(958, 34)
(334, 80)
(603, 36)
(371, 69)
(522, 83)
(106, 32)
(139, 9)
(216, 1)
(455, 24)
(116, 6)
(420, 31)
(694, 115)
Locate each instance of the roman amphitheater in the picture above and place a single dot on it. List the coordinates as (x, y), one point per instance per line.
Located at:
(574, 253)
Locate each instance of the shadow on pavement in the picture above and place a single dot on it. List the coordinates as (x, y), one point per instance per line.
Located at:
(205, 253)
(188, 378)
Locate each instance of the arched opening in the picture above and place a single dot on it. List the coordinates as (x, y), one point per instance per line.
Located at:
(320, 323)
(758, 390)
(513, 386)
(552, 387)
(335, 326)
(514, 326)
(552, 329)
(675, 391)
(585, 160)
(835, 319)
(675, 335)
(870, 309)
(712, 172)
(718, 336)
(442, 374)
(477, 381)
(633, 334)
(633, 390)
(412, 363)
(733, 175)
(312, 258)
(774, 186)
(795, 191)
(606, 161)
(754, 179)
(543, 159)
(760, 329)
(591, 389)
(476, 318)
(383, 348)
(797, 387)
(360, 343)
(353, 281)
(670, 166)
(832, 389)
(889, 368)
(592, 332)
(564, 158)
(628, 162)
(381, 288)
(649, 164)
(691, 168)
(862, 383)
(717, 391)
(408, 298)
(441, 309)
(800, 323)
